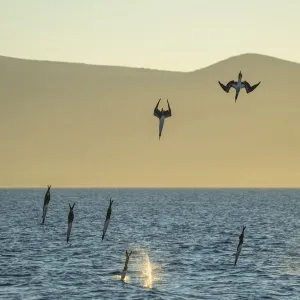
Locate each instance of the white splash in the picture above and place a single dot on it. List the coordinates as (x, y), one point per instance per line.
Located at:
(119, 277)
(142, 270)
(148, 273)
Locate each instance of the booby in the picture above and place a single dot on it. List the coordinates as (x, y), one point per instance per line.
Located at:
(240, 245)
(238, 85)
(162, 115)
(126, 265)
(46, 203)
(70, 221)
(107, 218)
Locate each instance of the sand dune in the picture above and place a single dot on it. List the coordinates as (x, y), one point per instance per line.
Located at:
(69, 124)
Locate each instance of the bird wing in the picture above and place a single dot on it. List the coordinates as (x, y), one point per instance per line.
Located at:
(157, 112)
(228, 86)
(248, 87)
(168, 113)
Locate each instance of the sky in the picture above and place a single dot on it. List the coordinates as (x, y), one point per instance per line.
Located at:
(178, 35)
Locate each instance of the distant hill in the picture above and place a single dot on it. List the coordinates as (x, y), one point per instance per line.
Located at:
(70, 124)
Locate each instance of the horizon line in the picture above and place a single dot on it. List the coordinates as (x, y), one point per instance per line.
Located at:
(144, 68)
(109, 188)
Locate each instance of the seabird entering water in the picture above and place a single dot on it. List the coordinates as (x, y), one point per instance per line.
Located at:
(238, 86)
(46, 203)
(107, 218)
(126, 265)
(162, 115)
(240, 245)
(70, 221)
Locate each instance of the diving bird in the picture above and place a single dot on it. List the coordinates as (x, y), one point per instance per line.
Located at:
(162, 115)
(238, 86)
(46, 203)
(107, 218)
(70, 221)
(126, 265)
(240, 245)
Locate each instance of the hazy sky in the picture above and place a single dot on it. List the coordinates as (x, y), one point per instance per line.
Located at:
(163, 34)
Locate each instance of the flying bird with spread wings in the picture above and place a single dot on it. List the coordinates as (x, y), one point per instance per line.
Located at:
(238, 85)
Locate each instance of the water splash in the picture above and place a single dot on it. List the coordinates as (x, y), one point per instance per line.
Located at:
(290, 264)
(147, 272)
(126, 279)
(142, 270)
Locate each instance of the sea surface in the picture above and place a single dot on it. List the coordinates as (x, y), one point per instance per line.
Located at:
(183, 243)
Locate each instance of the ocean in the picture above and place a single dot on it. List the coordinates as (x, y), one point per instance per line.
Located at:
(183, 244)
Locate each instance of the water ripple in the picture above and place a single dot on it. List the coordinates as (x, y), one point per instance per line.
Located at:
(183, 244)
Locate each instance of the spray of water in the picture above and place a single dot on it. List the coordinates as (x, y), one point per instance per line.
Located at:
(143, 271)
(126, 279)
(147, 272)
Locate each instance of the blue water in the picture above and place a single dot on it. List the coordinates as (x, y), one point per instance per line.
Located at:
(187, 237)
